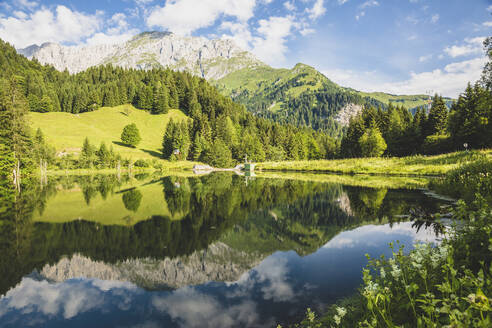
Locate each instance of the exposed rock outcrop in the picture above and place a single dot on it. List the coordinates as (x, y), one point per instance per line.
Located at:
(211, 59)
(347, 112)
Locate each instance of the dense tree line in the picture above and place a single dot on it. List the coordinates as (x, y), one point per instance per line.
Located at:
(396, 132)
(219, 131)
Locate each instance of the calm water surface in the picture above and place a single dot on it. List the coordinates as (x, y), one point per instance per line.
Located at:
(220, 250)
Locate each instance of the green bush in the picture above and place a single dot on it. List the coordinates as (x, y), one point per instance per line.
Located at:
(437, 144)
(468, 180)
(130, 135)
(141, 163)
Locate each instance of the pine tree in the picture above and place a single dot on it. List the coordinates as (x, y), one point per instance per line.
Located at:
(438, 116)
(103, 155)
(15, 138)
(161, 100)
(87, 155)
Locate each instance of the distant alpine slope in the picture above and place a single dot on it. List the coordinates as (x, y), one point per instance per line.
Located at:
(301, 96)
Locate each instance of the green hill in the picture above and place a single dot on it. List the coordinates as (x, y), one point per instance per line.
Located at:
(66, 132)
(303, 96)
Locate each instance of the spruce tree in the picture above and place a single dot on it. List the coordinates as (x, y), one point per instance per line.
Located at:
(15, 137)
(438, 116)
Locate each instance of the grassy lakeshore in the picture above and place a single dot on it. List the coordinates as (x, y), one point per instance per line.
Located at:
(166, 166)
(410, 166)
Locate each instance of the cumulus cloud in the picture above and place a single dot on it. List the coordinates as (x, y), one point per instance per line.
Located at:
(317, 10)
(273, 33)
(26, 4)
(471, 46)
(487, 24)
(186, 16)
(45, 25)
(435, 18)
(118, 31)
(289, 5)
(369, 3)
(449, 81)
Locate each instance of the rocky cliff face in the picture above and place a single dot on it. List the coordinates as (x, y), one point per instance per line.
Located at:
(211, 59)
(218, 262)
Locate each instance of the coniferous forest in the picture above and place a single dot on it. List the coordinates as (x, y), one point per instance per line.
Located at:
(221, 132)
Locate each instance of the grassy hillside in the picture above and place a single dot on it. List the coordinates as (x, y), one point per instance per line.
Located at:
(412, 165)
(267, 80)
(66, 132)
(303, 94)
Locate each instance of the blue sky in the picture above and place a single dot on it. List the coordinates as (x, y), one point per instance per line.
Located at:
(397, 46)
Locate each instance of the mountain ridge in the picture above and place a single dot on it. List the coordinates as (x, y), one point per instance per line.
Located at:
(301, 95)
(147, 50)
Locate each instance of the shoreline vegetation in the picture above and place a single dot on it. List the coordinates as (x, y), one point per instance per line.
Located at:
(412, 166)
(444, 285)
(437, 165)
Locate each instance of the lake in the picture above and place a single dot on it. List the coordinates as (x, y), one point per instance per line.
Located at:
(219, 250)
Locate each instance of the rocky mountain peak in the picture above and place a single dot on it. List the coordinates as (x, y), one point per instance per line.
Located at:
(211, 59)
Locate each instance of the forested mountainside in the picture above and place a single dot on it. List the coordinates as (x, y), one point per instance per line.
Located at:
(304, 97)
(218, 131)
(301, 96)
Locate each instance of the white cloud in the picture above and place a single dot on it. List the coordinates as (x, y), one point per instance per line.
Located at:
(435, 18)
(472, 46)
(116, 32)
(369, 3)
(186, 16)
(20, 14)
(26, 4)
(425, 58)
(307, 31)
(44, 25)
(489, 8)
(241, 34)
(487, 24)
(270, 46)
(289, 5)
(449, 81)
(360, 15)
(268, 40)
(341, 2)
(317, 10)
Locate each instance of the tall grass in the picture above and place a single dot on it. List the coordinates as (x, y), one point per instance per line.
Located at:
(412, 165)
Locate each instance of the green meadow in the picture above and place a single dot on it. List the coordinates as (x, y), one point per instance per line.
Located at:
(66, 132)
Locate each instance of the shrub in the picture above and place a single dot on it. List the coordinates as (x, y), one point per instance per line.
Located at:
(437, 144)
(372, 143)
(141, 163)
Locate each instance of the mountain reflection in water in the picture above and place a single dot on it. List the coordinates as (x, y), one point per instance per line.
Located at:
(192, 251)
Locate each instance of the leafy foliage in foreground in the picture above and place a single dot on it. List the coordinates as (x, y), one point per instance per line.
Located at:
(449, 285)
